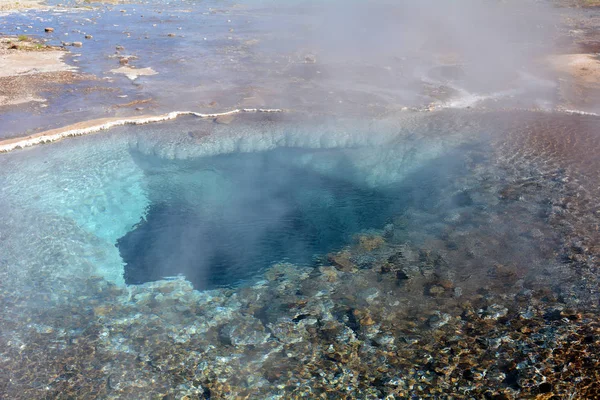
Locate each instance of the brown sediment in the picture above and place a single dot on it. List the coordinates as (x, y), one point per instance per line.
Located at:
(96, 125)
(582, 67)
(25, 88)
(27, 57)
(133, 103)
(592, 46)
(578, 3)
(580, 86)
(28, 67)
(7, 5)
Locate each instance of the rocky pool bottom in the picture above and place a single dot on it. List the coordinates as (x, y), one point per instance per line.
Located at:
(485, 287)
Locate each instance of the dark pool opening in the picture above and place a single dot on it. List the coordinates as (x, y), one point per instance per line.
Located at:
(221, 221)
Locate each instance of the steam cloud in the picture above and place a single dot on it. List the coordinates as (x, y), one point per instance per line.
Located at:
(492, 45)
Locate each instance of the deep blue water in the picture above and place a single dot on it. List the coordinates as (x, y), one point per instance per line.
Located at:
(256, 209)
(222, 220)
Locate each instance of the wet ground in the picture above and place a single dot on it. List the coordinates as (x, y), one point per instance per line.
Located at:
(215, 56)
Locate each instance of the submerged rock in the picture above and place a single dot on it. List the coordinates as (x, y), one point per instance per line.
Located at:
(370, 242)
(493, 312)
(342, 261)
(244, 331)
(288, 331)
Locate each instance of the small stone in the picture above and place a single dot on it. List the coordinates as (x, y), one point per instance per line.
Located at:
(438, 320)
(388, 231)
(49, 30)
(88, 36)
(171, 35)
(370, 295)
(124, 61)
(370, 243)
(330, 274)
(385, 340)
(446, 284)
(120, 48)
(436, 291)
(245, 331)
(525, 329)
(286, 331)
(493, 312)
(342, 261)
(570, 314)
(363, 317)
(503, 271)
(529, 313)
(409, 272)
(77, 44)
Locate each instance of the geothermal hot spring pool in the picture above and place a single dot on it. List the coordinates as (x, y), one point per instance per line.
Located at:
(220, 220)
(219, 205)
(282, 255)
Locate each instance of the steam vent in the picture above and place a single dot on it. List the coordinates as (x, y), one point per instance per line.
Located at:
(257, 199)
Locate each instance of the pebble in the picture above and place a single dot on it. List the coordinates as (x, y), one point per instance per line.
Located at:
(438, 320)
(49, 30)
(493, 312)
(436, 290)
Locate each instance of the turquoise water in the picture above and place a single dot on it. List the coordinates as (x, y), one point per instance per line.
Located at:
(222, 220)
